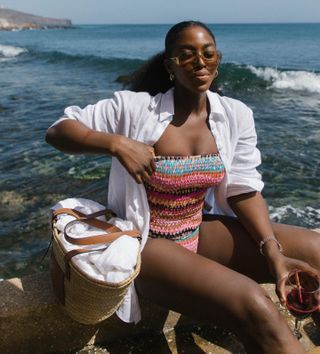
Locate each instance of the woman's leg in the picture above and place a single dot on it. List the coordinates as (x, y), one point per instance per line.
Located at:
(224, 240)
(203, 289)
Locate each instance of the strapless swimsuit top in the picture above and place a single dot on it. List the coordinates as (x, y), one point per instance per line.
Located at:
(176, 194)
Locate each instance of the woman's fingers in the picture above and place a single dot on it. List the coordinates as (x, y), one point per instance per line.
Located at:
(143, 175)
(291, 266)
(138, 159)
(307, 268)
(151, 149)
(153, 165)
(138, 179)
(280, 290)
(149, 170)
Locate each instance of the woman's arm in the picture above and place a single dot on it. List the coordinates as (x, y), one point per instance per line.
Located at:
(253, 214)
(71, 136)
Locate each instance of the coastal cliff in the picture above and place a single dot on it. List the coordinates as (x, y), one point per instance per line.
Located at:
(16, 20)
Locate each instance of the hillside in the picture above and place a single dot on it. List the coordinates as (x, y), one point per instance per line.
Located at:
(11, 19)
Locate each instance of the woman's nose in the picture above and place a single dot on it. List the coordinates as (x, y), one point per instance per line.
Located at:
(198, 59)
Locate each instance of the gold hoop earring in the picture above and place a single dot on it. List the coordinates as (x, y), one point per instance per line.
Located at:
(216, 74)
(171, 77)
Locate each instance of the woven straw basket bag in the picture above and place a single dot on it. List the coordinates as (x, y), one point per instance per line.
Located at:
(86, 300)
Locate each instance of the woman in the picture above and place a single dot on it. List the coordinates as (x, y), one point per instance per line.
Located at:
(178, 149)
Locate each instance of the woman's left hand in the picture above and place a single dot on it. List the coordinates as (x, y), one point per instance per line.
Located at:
(281, 266)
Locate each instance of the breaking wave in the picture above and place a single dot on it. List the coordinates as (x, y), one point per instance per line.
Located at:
(9, 51)
(307, 216)
(289, 79)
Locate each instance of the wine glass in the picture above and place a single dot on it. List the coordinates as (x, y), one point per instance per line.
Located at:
(303, 296)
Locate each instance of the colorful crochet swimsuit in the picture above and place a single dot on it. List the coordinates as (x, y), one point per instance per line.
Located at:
(176, 195)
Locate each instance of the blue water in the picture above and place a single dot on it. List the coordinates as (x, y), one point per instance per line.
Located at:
(274, 68)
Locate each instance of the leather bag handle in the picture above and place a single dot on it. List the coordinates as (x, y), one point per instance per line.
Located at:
(113, 231)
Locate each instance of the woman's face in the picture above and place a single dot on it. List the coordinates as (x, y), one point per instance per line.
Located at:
(194, 60)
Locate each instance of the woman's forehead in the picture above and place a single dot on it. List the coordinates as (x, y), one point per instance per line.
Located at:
(194, 35)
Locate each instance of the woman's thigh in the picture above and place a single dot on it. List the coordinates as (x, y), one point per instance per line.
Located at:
(226, 241)
(196, 286)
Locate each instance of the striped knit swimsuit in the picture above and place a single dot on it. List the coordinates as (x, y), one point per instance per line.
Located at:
(176, 195)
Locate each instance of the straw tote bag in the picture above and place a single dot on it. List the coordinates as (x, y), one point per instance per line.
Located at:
(86, 300)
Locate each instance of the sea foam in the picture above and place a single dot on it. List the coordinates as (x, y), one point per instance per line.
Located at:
(8, 51)
(289, 79)
(308, 216)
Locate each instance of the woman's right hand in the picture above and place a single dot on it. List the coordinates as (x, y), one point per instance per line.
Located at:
(281, 266)
(136, 157)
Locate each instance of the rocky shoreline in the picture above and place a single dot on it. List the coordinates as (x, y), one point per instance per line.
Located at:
(12, 20)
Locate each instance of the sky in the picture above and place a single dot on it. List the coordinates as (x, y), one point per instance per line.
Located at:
(171, 11)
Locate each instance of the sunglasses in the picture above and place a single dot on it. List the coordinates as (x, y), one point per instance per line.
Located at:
(187, 56)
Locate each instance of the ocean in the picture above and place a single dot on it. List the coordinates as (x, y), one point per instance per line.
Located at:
(273, 68)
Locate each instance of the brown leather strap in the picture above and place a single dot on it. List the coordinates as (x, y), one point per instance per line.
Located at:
(69, 255)
(113, 231)
(103, 238)
(89, 219)
(105, 226)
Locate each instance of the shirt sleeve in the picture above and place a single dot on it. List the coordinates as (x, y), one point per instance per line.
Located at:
(243, 176)
(105, 116)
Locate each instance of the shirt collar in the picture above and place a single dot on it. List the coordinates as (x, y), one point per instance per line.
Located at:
(166, 105)
(216, 107)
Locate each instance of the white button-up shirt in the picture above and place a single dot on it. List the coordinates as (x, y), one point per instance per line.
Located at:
(142, 117)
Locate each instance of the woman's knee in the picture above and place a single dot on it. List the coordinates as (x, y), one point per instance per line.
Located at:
(257, 311)
(257, 305)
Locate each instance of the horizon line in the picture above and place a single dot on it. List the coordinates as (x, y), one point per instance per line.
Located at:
(208, 23)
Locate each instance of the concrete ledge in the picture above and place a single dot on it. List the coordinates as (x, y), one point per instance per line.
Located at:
(31, 321)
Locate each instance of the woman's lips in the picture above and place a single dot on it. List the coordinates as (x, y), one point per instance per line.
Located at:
(201, 76)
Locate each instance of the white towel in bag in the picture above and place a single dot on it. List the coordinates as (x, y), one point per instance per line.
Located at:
(115, 263)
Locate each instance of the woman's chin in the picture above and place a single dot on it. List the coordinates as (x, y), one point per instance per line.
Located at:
(196, 87)
(202, 87)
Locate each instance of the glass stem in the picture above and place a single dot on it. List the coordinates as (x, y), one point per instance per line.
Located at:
(296, 331)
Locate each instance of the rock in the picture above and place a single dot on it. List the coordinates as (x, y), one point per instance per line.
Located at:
(16, 20)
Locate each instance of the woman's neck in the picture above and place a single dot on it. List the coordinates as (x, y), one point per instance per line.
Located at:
(186, 101)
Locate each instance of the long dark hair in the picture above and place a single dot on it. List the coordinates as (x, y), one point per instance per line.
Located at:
(152, 76)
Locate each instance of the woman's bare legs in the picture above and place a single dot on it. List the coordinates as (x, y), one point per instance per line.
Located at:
(224, 240)
(205, 290)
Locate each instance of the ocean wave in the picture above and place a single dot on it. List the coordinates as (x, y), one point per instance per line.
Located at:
(87, 60)
(307, 216)
(9, 51)
(289, 79)
(233, 76)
